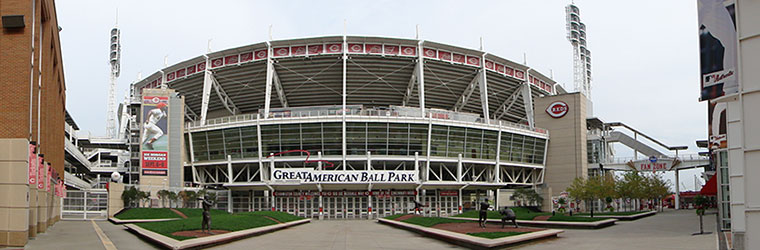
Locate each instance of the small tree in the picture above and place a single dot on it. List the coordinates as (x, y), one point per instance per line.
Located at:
(130, 196)
(188, 197)
(163, 195)
(173, 198)
(143, 196)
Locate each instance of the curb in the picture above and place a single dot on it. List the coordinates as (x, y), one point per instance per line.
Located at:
(118, 221)
(472, 241)
(627, 217)
(170, 243)
(554, 224)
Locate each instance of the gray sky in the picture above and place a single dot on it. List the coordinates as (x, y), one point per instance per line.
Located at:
(645, 56)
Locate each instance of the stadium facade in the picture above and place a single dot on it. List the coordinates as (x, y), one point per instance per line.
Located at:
(352, 126)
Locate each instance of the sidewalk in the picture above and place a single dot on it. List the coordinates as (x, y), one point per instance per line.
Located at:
(82, 235)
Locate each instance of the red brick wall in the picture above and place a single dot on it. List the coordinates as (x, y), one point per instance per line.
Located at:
(15, 74)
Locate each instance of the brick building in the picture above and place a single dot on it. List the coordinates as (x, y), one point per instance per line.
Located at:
(32, 109)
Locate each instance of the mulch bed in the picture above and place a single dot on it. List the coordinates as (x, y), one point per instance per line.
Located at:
(198, 233)
(475, 228)
(178, 213)
(542, 217)
(406, 217)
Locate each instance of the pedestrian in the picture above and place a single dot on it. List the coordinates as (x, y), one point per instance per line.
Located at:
(482, 219)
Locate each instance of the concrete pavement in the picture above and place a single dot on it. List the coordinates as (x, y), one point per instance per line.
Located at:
(670, 230)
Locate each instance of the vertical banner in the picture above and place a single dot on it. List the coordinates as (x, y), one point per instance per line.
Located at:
(154, 144)
(32, 164)
(48, 175)
(40, 171)
(716, 125)
(717, 48)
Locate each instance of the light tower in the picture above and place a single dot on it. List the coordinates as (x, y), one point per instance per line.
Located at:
(115, 59)
(576, 34)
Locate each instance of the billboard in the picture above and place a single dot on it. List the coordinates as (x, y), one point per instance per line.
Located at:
(717, 48)
(716, 125)
(154, 142)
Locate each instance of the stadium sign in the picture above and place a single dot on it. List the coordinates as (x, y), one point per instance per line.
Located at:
(308, 175)
(557, 109)
(653, 164)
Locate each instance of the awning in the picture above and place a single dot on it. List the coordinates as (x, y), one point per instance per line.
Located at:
(711, 187)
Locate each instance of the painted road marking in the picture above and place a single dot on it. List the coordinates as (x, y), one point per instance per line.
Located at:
(103, 237)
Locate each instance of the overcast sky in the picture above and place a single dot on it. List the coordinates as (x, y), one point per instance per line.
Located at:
(645, 57)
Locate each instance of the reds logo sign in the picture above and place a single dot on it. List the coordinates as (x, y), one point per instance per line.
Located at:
(557, 109)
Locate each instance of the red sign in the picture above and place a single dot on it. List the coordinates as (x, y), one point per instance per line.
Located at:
(458, 58)
(489, 65)
(374, 48)
(246, 57)
(280, 52)
(355, 48)
(260, 54)
(408, 51)
(180, 73)
(154, 162)
(444, 55)
(48, 175)
(520, 74)
(500, 68)
(202, 66)
(334, 48)
(298, 50)
(170, 77)
(40, 172)
(471, 60)
(231, 60)
(557, 109)
(315, 49)
(32, 164)
(449, 193)
(391, 49)
(429, 53)
(509, 71)
(217, 62)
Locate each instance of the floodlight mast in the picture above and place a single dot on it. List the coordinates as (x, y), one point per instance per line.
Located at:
(115, 61)
(576, 34)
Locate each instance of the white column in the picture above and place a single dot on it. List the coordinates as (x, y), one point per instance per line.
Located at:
(496, 172)
(678, 192)
(459, 168)
(421, 77)
(484, 88)
(269, 79)
(229, 169)
(344, 94)
(206, 95)
(260, 153)
(528, 103)
(229, 200)
(369, 160)
(417, 165)
(429, 135)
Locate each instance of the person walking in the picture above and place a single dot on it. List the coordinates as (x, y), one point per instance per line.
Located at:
(483, 216)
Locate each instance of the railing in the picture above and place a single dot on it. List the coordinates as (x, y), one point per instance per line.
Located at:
(74, 150)
(397, 112)
(683, 158)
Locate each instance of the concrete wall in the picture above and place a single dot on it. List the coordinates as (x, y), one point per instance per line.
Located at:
(115, 204)
(566, 156)
(14, 192)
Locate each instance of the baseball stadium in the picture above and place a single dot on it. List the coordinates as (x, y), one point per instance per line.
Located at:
(354, 126)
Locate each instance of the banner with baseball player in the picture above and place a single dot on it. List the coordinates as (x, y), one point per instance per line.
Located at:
(154, 140)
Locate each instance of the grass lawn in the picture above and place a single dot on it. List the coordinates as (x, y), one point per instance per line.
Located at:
(494, 235)
(615, 213)
(432, 221)
(219, 221)
(147, 213)
(393, 217)
(198, 212)
(521, 213)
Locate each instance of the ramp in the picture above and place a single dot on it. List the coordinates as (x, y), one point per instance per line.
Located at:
(616, 136)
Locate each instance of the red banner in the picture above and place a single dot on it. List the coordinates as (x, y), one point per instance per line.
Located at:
(315, 49)
(429, 53)
(298, 50)
(334, 48)
(246, 57)
(32, 164)
(180, 73)
(408, 51)
(40, 172)
(489, 65)
(155, 162)
(510, 71)
(500, 68)
(280, 52)
(170, 77)
(457, 58)
(49, 174)
(390, 49)
(444, 55)
(520, 74)
(201, 66)
(449, 193)
(260, 54)
(230, 59)
(475, 61)
(218, 62)
(355, 48)
(374, 48)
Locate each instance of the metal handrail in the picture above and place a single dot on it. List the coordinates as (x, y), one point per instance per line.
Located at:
(686, 157)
